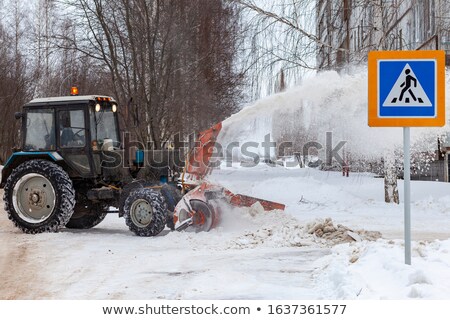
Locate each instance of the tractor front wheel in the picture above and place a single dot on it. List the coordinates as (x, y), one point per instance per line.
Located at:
(39, 197)
(145, 212)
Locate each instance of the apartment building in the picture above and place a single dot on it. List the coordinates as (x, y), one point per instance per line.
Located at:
(348, 29)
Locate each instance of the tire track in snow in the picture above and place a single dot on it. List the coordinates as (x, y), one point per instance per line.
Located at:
(20, 263)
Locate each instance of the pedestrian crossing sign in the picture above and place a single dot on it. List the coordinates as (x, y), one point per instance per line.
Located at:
(406, 88)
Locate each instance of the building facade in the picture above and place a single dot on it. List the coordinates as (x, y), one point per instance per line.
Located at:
(348, 29)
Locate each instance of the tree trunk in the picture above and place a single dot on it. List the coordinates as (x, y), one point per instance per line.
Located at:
(390, 180)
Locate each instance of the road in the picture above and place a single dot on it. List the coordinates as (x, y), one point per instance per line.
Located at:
(108, 262)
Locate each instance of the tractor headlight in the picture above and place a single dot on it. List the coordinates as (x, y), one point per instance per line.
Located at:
(97, 107)
(114, 107)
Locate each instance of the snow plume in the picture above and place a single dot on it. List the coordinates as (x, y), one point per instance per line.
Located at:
(326, 102)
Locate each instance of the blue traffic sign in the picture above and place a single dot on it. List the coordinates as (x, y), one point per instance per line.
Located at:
(406, 88)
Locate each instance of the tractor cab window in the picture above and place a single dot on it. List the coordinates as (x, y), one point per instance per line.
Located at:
(72, 129)
(40, 130)
(104, 129)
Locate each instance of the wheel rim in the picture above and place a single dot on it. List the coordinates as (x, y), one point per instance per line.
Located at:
(141, 213)
(34, 198)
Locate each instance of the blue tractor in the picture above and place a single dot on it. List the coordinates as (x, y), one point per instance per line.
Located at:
(71, 168)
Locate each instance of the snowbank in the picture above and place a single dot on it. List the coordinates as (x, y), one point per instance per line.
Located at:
(377, 271)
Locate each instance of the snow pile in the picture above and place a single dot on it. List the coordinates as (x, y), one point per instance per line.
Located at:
(376, 270)
(277, 229)
(326, 230)
(273, 236)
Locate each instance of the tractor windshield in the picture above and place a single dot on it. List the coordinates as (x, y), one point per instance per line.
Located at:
(40, 130)
(104, 125)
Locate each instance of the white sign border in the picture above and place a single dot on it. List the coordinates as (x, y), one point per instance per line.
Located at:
(435, 89)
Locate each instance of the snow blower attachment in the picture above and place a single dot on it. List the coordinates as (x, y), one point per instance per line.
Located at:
(201, 206)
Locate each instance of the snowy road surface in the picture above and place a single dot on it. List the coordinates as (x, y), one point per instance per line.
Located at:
(266, 256)
(109, 262)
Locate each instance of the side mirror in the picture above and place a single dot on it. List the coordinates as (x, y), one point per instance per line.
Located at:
(18, 115)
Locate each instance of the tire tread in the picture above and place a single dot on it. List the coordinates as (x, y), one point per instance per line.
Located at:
(64, 192)
(159, 212)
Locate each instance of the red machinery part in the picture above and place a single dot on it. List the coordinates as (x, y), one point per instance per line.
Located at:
(198, 160)
(240, 200)
(211, 195)
(200, 207)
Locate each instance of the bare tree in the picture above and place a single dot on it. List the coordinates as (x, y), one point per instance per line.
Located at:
(13, 83)
(280, 35)
(172, 62)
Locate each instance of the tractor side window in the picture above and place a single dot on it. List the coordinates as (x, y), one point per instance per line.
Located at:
(72, 129)
(40, 130)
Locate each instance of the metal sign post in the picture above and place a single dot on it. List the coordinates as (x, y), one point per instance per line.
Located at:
(407, 190)
(406, 89)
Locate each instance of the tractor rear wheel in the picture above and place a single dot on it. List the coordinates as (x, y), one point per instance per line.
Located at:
(39, 197)
(145, 212)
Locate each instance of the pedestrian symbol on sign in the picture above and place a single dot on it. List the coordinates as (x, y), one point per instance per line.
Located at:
(407, 87)
(407, 91)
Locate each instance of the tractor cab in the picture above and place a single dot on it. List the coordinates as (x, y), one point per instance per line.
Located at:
(74, 128)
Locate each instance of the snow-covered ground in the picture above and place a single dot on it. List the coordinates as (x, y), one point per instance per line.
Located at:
(296, 254)
(356, 201)
(253, 254)
(367, 269)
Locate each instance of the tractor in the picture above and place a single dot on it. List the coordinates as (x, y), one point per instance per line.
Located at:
(72, 168)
